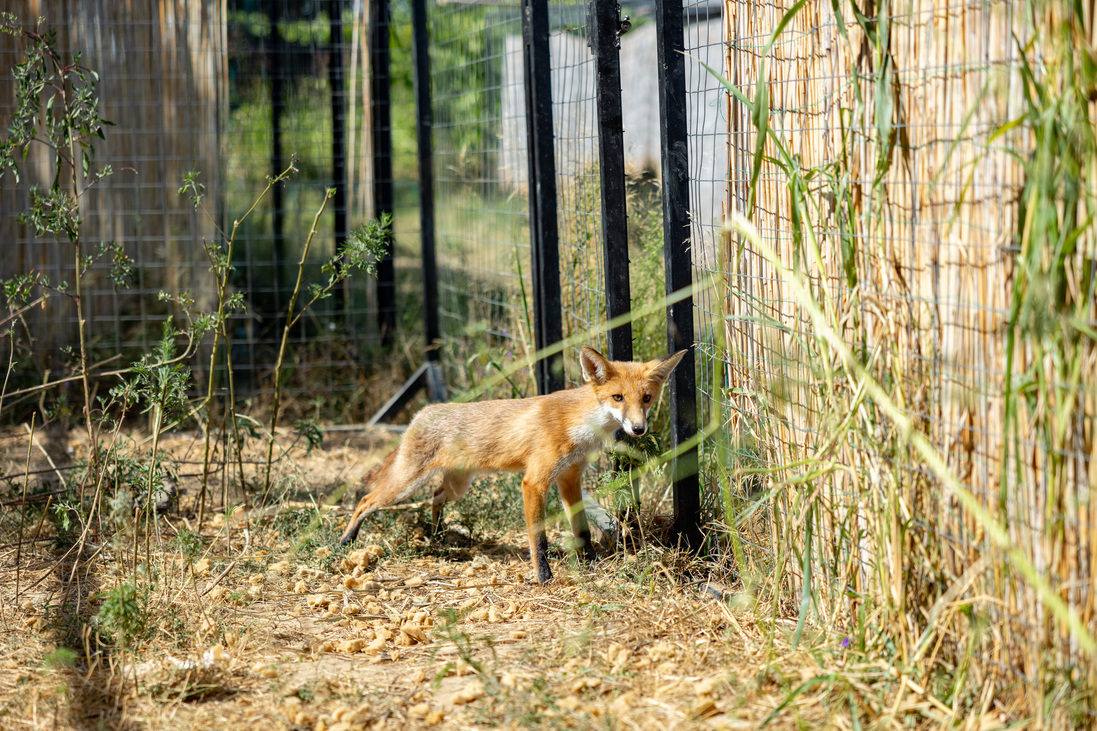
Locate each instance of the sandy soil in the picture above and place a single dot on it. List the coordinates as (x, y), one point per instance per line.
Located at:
(270, 625)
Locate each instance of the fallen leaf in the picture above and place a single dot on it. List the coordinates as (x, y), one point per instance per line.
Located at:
(703, 708)
(471, 692)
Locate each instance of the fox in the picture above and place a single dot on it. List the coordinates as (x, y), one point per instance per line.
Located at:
(551, 438)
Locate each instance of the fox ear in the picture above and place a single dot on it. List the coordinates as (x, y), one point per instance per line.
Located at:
(659, 370)
(595, 368)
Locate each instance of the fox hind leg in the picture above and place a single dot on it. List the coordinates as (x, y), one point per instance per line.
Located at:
(395, 479)
(454, 484)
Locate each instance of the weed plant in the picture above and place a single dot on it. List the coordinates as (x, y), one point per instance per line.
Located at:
(106, 512)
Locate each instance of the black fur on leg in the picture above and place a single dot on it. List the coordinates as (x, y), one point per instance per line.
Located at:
(544, 573)
(350, 534)
(585, 549)
(437, 524)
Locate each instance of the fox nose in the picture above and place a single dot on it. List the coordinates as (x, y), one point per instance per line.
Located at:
(638, 430)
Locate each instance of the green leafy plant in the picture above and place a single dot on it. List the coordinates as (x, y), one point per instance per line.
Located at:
(189, 543)
(60, 658)
(220, 255)
(364, 247)
(57, 108)
(123, 615)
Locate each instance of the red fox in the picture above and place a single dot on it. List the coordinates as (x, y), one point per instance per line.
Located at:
(551, 437)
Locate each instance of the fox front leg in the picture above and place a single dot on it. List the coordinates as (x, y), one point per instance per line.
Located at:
(570, 484)
(534, 491)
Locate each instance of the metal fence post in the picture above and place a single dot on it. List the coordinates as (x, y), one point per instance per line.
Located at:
(429, 373)
(337, 80)
(673, 131)
(544, 237)
(381, 138)
(276, 59)
(424, 123)
(604, 28)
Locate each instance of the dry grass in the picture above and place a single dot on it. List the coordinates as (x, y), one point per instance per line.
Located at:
(931, 491)
(269, 624)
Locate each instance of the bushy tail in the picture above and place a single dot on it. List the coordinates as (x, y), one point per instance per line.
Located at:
(378, 497)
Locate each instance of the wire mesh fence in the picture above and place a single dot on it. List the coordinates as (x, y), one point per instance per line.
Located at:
(705, 26)
(235, 92)
(288, 79)
(578, 179)
(161, 91)
(482, 178)
(482, 206)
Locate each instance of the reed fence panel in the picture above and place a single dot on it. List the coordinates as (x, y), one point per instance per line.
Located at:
(158, 66)
(892, 186)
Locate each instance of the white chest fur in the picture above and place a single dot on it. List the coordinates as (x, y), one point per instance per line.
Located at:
(590, 436)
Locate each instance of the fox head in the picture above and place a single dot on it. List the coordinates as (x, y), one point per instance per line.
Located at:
(627, 389)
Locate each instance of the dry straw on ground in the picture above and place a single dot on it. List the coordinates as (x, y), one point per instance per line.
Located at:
(396, 634)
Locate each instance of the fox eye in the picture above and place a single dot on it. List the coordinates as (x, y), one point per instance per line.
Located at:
(647, 398)
(618, 397)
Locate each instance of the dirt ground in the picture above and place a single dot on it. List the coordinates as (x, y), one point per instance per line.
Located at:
(271, 625)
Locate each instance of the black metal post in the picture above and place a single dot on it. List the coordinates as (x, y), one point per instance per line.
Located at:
(381, 137)
(670, 46)
(544, 236)
(429, 374)
(336, 79)
(423, 127)
(276, 57)
(603, 35)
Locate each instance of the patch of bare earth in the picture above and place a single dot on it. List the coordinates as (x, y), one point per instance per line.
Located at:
(271, 629)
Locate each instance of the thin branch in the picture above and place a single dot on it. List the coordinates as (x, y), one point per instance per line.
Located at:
(223, 574)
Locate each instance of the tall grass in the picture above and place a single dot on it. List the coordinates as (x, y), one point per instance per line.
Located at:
(915, 354)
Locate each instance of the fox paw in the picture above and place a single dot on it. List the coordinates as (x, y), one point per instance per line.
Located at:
(544, 574)
(585, 548)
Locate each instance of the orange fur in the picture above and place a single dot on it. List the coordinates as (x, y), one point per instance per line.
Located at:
(550, 437)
